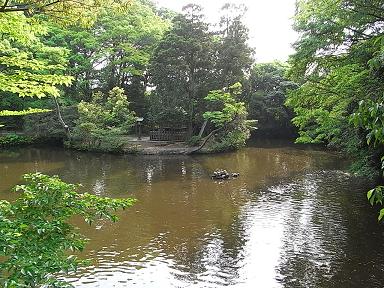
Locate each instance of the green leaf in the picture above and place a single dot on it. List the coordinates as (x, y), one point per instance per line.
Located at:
(381, 214)
(369, 194)
(37, 233)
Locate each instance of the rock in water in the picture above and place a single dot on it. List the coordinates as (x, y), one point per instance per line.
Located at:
(220, 174)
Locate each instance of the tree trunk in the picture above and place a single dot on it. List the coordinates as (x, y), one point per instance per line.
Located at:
(61, 120)
(209, 136)
(205, 141)
(190, 122)
(203, 128)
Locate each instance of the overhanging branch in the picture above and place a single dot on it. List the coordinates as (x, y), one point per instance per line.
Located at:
(25, 7)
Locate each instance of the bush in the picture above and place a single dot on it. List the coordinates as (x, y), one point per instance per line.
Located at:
(102, 122)
(11, 140)
(97, 143)
(231, 141)
(36, 236)
(231, 123)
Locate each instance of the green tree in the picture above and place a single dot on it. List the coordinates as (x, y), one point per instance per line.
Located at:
(333, 64)
(265, 92)
(339, 66)
(231, 127)
(104, 118)
(181, 69)
(28, 67)
(83, 46)
(128, 40)
(234, 56)
(63, 11)
(115, 51)
(36, 236)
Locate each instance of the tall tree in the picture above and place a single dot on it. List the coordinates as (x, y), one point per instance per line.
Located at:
(229, 118)
(115, 51)
(127, 41)
(83, 45)
(234, 56)
(337, 62)
(181, 68)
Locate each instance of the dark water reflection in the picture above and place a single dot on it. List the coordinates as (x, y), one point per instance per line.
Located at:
(292, 219)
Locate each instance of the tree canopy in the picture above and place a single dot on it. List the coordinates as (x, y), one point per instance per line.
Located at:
(67, 12)
(339, 66)
(181, 65)
(29, 68)
(192, 60)
(265, 91)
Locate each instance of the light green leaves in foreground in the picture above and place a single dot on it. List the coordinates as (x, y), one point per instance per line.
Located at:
(66, 12)
(29, 68)
(370, 117)
(35, 234)
(23, 112)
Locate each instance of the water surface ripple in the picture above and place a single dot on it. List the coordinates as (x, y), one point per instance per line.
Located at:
(294, 218)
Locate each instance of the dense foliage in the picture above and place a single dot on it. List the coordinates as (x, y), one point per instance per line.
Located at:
(36, 235)
(339, 66)
(265, 93)
(28, 67)
(12, 140)
(115, 51)
(103, 118)
(63, 11)
(46, 126)
(232, 128)
(192, 60)
(181, 69)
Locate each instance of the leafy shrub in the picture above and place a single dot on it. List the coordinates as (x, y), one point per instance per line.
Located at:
(102, 122)
(108, 111)
(15, 140)
(233, 128)
(98, 143)
(230, 141)
(36, 234)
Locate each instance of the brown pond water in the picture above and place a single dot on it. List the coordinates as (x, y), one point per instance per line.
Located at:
(294, 218)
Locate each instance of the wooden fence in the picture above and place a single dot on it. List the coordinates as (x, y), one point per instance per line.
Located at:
(168, 134)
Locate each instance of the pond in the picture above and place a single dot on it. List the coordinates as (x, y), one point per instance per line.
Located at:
(294, 218)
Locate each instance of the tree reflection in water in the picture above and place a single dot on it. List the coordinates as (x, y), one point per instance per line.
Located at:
(292, 219)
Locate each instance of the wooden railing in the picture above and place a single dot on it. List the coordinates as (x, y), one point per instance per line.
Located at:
(168, 134)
